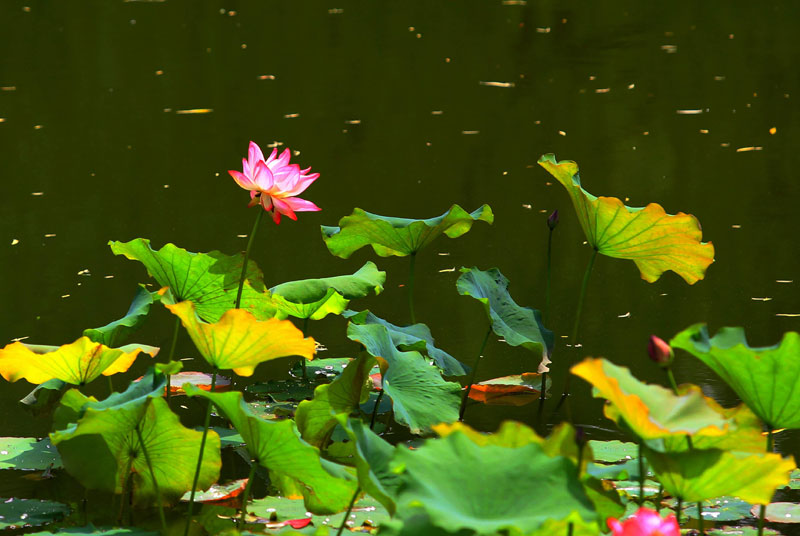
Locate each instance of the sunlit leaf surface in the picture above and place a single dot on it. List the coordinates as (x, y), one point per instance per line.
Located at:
(119, 331)
(420, 396)
(654, 240)
(398, 236)
(277, 445)
(240, 342)
(210, 280)
(519, 326)
(767, 379)
(76, 363)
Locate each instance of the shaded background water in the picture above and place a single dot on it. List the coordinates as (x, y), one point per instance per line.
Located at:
(388, 101)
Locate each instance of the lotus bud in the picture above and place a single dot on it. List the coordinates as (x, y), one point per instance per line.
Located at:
(660, 351)
(552, 220)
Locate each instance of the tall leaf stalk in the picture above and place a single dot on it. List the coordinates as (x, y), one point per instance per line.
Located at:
(471, 380)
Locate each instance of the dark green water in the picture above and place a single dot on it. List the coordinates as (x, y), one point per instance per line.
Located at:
(386, 101)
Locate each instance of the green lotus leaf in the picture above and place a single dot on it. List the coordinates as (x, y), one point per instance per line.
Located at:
(278, 509)
(398, 236)
(503, 488)
(18, 513)
(103, 449)
(765, 378)
(316, 298)
(119, 331)
(420, 396)
(697, 475)
(725, 508)
(91, 530)
(654, 240)
(613, 451)
(316, 418)
(651, 411)
(76, 363)
(210, 280)
(416, 337)
(782, 512)
(239, 341)
(44, 397)
(519, 326)
(277, 446)
(28, 453)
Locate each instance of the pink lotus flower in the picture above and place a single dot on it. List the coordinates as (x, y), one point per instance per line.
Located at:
(275, 182)
(645, 522)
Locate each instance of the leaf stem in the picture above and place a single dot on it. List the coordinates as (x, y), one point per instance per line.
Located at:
(303, 359)
(546, 312)
(641, 474)
(349, 509)
(465, 396)
(412, 264)
(700, 517)
(172, 347)
(247, 257)
(679, 510)
(375, 410)
(762, 512)
(246, 494)
(155, 482)
(578, 311)
(206, 423)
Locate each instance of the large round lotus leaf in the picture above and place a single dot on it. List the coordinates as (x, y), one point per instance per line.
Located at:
(765, 378)
(28, 453)
(316, 418)
(76, 363)
(518, 326)
(398, 236)
(741, 531)
(781, 512)
(416, 337)
(419, 524)
(366, 511)
(723, 508)
(239, 341)
(654, 240)
(208, 279)
(420, 395)
(277, 446)
(91, 530)
(117, 332)
(19, 513)
(504, 488)
(103, 449)
(698, 475)
(614, 451)
(651, 411)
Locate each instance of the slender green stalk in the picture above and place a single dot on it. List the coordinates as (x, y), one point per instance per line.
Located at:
(679, 510)
(471, 380)
(206, 423)
(672, 381)
(110, 385)
(155, 482)
(700, 517)
(413, 262)
(659, 497)
(375, 410)
(172, 347)
(578, 312)
(762, 512)
(303, 360)
(641, 474)
(349, 509)
(246, 494)
(546, 312)
(247, 257)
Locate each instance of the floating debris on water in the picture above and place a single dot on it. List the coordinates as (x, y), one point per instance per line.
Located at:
(443, 253)
(784, 280)
(193, 111)
(19, 339)
(526, 205)
(562, 133)
(746, 149)
(353, 121)
(736, 226)
(437, 112)
(703, 131)
(65, 296)
(689, 112)
(108, 277)
(50, 235)
(290, 116)
(335, 11)
(453, 269)
(788, 315)
(470, 132)
(669, 49)
(602, 90)
(266, 77)
(764, 299)
(515, 2)
(773, 130)
(8, 88)
(14, 242)
(626, 315)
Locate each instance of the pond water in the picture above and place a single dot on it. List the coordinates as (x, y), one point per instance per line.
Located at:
(404, 109)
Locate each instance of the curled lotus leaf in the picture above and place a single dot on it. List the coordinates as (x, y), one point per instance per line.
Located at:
(118, 331)
(697, 475)
(210, 280)
(765, 378)
(398, 236)
(76, 363)
(651, 411)
(239, 341)
(654, 240)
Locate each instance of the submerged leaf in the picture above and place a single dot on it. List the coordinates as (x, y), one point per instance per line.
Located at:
(765, 378)
(210, 280)
(240, 342)
(76, 363)
(398, 236)
(519, 326)
(654, 240)
(119, 331)
(416, 337)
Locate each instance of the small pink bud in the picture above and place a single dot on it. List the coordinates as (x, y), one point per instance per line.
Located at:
(645, 522)
(660, 351)
(552, 220)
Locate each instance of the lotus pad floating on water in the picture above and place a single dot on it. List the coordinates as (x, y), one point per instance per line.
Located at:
(654, 240)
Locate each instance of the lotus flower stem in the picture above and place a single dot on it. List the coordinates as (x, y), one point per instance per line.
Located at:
(700, 517)
(175, 332)
(641, 474)
(762, 512)
(303, 360)
(679, 510)
(110, 385)
(659, 497)
(349, 509)
(413, 262)
(155, 482)
(375, 410)
(578, 312)
(247, 257)
(672, 382)
(246, 495)
(471, 380)
(206, 423)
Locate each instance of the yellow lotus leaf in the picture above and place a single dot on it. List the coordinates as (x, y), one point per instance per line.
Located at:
(654, 240)
(76, 363)
(240, 342)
